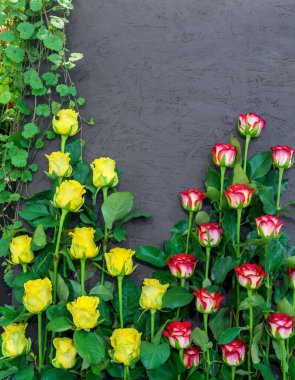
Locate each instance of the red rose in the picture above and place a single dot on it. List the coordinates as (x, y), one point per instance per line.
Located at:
(179, 334)
(268, 226)
(209, 234)
(224, 155)
(191, 357)
(207, 303)
(250, 124)
(192, 199)
(234, 353)
(282, 156)
(250, 276)
(239, 196)
(292, 277)
(280, 325)
(182, 265)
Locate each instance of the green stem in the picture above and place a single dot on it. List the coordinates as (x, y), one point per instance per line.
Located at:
(281, 173)
(268, 292)
(207, 352)
(233, 373)
(126, 372)
(250, 335)
(40, 341)
(105, 239)
(293, 303)
(282, 342)
(25, 268)
(248, 138)
(238, 305)
(208, 251)
(153, 312)
(56, 253)
(45, 342)
(120, 294)
(182, 284)
(190, 222)
(222, 175)
(238, 239)
(83, 264)
(63, 143)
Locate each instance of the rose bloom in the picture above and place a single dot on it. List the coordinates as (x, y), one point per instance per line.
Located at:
(191, 357)
(207, 303)
(292, 278)
(250, 276)
(84, 312)
(104, 172)
(38, 295)
(179, 334)
(14, 341)
(280, 325)
(282, 156)
(182, 265)
(224, 155)
(65, 356)
(192, 199)
(250, 124)
(239, 196)
(59, 164)
(119, 261)
(268, 226)
(126, 345)
(83, 246)
(69, 196)
(152, 294)
(209, 234)
(234, 353)
(66, 123)
(20, 249)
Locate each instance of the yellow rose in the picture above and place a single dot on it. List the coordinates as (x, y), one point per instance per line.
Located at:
(152, 294)
(59, 164)
(84, 312)
(126, 345)
(20, 249)
(14, 341)
(69, 195)
(104, 174)
(83, 246)
(67, 122)
(119, 261)
(38, 295)
(65, 356)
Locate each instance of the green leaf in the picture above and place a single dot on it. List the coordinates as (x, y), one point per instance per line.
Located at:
(81, 172)
(260, 164)
(116, 207)
(15, 53)
(135, 215)
(256, 300)
(30, 130)
(235, 142)
(60, 324)
(200, 338)
(153, 356)
(53, 42)
(7, 36)
(36, 5)
(202, 217)
(4, 246)
(26, 30)
(74, 148)
(266, 196)
(258, 331)
(212, 179)
(31, 77)
(43, 110)
(50, 79)
(65, 3)
(18, 156)
(219, 322)
(89, 346)
(34, 211)
(240, 176)
(290, 262)
(5, 94)
(276, 257)
(221, 267)
(57, 373)
(265, 370)
(39, 237)
(285, 307)
(26, 373)
(177, 297)
(62, 289)
(151, 255)
(101, 291)
(230, 334)
(167, 371)
(119, 233)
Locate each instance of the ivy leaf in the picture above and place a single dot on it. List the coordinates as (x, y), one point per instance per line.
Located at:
(30, 130)
(57, 22)
(26, 30)
(18, 156)
(65, 3)
(56, 59)
(50, 79)
(5, 94)
(15, 54)
(43, 110)
(36, 5)
(7, 36)
(31, 77)
(53, 42)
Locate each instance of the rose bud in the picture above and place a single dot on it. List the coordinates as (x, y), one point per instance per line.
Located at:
(250, 124)
(69, 195)
(65, 122)
(38, 295)
(191, 357)
(209, 234)
(179, 334)
(239, 196)
(224, 155)
(152, 294)
(182, 265)
(207, 303)
(85, 312)
(65, 356)
(282, 156)
(234, 353)
(192, 199)
(21, 249)
(104, 172)
(14, 341)
(292, 277)
(250, 276)
(126, 346)
(268, 226)
(280, 325)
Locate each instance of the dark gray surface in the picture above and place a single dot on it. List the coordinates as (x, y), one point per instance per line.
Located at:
(166, 79)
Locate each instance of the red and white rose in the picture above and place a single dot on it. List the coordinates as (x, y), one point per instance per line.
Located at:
(250, 276)
(182, 265)
(192, 199)
(239, 196)
(292, 277)
(234, 353)
(191, 357)
(209, 234)
(280, 325)
(268, 226)
(224, 155)
(178, 334)
(250, 124)
(207, 303)
(282, 156)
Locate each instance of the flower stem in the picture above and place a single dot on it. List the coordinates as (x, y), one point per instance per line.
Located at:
(24, 268)
(250, 335)
(56, 253)
(63, 143)
(208, 251)
(222, 175)
(293, 303)
(233, 373)
(40, 341)
(282, 342)
(281, 173)
(120, 294)
(248, 138)
(190, 222)
(238, 305)
(153, 312)
(105, 238)
(126, 372)
(238, 238)
(45, 342)
(207, 352)
(83, 263)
